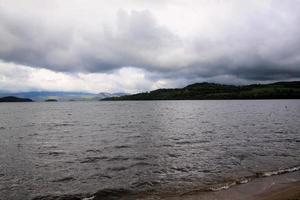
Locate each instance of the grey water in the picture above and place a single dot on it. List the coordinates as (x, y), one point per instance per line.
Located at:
(142, 146)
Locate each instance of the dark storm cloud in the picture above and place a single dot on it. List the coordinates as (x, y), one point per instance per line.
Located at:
(264, 45)
(136, 42)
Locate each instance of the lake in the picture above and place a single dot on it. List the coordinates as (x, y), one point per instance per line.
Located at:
(148, 147)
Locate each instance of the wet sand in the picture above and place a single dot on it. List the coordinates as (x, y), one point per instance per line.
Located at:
(290, 193)
(281, 187)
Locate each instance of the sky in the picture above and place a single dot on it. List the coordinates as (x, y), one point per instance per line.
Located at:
(141, 45)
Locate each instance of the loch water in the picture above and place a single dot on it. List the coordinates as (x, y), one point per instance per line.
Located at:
(79, 148)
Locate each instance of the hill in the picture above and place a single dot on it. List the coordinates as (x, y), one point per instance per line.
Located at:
(211, 91)
(14, 99)
(51, 100)
(62, 96)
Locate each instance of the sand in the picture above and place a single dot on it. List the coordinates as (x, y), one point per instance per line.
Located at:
(281, 187)
(289, 193)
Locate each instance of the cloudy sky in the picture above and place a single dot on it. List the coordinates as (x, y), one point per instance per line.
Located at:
(139, 45)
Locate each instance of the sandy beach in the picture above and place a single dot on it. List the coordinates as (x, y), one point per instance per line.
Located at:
(281, 187)
(290, 193)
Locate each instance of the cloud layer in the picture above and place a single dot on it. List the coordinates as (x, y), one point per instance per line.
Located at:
(171, 42)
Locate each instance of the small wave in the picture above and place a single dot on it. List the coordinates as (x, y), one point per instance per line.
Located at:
(280, 132)
(173, 155)
(223, 187)
(139, 158)
(181, 169)
(141, 164)
(56, 153)
(193, 142)
(33, 134)
(65, 179)
(207, 170)
(145, 184)
(50, 146)
(135, 136)
(94, 150)
(101, 176)
(122, 146)
(117, 168)
(53, 153)
(112, 194)
(98, 158)
(166, 145)
(289, 140)
(62, 124)
(162, 171)
(89, 198)
(93, 159)
(62, 197)
(230, 184)
(278, 172)
(245, 180)
(28, 125)
(2, 128)
(118, 158)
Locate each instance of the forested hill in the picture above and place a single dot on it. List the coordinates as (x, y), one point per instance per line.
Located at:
(202, 91)
(14, 99)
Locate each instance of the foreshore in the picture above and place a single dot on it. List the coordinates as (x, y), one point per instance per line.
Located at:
(291, 192)
(278, 187)
(281, 187)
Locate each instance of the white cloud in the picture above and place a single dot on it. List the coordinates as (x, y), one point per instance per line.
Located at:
(16, 78)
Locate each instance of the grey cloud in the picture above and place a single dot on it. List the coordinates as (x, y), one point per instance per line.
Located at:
(254, 46)
(137, 41)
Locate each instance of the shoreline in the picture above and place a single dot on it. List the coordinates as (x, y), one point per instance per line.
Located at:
(275, 187)
(291, 192)
(278, 187)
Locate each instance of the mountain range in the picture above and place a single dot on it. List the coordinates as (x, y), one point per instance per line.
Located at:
(62, 96)
(196, 91)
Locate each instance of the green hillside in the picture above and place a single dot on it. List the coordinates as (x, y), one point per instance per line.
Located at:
(202, 91)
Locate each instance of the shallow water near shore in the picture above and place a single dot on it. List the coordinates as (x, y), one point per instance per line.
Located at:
(149, 147)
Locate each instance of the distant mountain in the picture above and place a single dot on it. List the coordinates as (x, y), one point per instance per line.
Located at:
(202, 91)
(50, 100)
(119, 94)
(104, 95)
(62, 96)
(14, 99)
